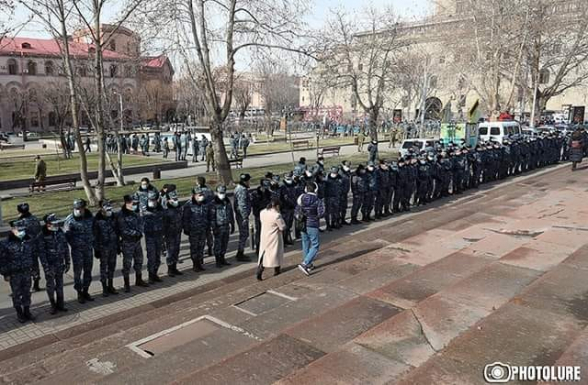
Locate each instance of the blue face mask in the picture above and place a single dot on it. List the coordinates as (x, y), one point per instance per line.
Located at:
(135, 207)
(21, 234)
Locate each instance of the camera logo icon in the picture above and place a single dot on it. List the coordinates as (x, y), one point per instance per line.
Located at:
(497, 372)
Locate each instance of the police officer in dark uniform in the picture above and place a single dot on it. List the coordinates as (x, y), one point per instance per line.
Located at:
(196, 221)
(370, 194)
(260, 198)
(129, 226)
(172, 229)
(358, 188)
(16, 265)
(242, 210)
(79, 231)
(402, 186)
(411, 186)
(34, 231)
(55, 258)
(143, 193)
(153, 229)
(288, 196)
(373, 151)
(392, 188)
(332, 198)
(345, 174)
(423, 181)
(383, 177)
(223, 224)
(106, 246)
(208, 199)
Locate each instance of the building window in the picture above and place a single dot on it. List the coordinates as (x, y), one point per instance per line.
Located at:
(544, 76)
(52, 119)
(360, 67)
(32, 68)
(128, 71)
(303, 99)
(49, 69)
(12, 67)
(25, 45)
(112, 45)
(82, 72)
(113, 71)
(34, 119)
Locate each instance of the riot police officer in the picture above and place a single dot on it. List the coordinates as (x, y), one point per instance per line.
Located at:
(260, 198)
(153, 230)
(196, 221)
(55, 258)
(16, 264)
(129, 226)
(242, 210)
(79, 231)
(345, 174)
(358, 188)
(106, 246)
(172, 229)
(34, 231)
(288, 196)
(223, 224)
(332, 198)
(370, 194)
(383, 176)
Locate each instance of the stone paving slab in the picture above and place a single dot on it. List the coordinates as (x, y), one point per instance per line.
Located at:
(370, 280)
(265, 364)
(578, 259)
(399, 338)
(410, 290)
(537, 255)
(495, 245)
(352, 365)
(330, 330)
(577, 355)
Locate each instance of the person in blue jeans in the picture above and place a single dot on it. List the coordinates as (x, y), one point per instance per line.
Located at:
(313, 208)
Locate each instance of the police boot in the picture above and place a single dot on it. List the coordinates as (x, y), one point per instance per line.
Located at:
(176, 271)
(127, 284)
(241, 257)
(170, 271)
(111, 289)
(139, 280)
(19, 315)
(156, 277)
(36, 286)
(218, 260)
(81, 298)
(26, 312)
(105, 292)
(87, 296)
(53, 309)
(60, 305)
(210, 252)
(224, 261)
(354, 221)
(197, 265)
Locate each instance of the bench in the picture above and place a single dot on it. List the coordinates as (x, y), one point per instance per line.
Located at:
(330, 150)
(9, 146)
(300, 144)
(236, 163)
(68, 183)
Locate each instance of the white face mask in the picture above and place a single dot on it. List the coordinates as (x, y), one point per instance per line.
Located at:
(370, 168)
(53, 228)
(333, 175)
(144, 186)
(134, 207)
(174, 202)
(321, 162)
(222, 196)
(21, 234)
(108, 213)
(77, 213)
(200, 199)
(152, 204)
(346, 169)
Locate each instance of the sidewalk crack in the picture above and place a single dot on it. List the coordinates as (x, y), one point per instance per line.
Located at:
(422, 330)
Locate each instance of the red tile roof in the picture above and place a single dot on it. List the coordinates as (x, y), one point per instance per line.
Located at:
(49, 47)
(154, 61)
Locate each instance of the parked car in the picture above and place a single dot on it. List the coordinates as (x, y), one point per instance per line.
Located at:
(416, 145)
(499, 131)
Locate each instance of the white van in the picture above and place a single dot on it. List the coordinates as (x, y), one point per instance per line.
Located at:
(499, 131)
(417, 145)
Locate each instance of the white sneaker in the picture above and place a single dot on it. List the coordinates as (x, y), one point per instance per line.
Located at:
(304, 269)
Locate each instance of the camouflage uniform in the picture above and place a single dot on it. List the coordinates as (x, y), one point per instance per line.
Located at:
(153, 229)
(370, 194)
(105, 245)
(55, 260)
(16, 262)
(345, 186)
(332, 198)
(172, 232)
(129, 227)
(33, 229)
(223, 224)
(196, 220)
(358, 188)
(242, 209)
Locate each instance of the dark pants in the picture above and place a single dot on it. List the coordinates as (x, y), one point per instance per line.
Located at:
(368, 204)
(107, 265)
(356, 205)
(20, 284)
(132, 256)
(172, 243)
(82, 268)
(197, 243)
(154, 245)
(54, 278)
(221, 242)
(243, 224)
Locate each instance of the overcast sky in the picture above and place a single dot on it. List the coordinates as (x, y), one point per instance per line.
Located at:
(406, 8)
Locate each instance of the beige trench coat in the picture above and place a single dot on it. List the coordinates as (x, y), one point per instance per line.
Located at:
(271, 243)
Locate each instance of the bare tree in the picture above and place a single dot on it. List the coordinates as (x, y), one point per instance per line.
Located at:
(360, 53)
(242, 92)
(57, 103)
(213, 34)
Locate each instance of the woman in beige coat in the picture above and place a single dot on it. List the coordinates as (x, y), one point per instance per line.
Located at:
(271, 243)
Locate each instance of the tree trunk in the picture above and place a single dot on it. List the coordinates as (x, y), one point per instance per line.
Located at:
(373, 123)
(99, 79)
(74, 110)
(223, 168)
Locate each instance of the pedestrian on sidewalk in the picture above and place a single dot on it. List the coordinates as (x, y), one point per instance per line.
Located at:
(271, 245)
(360, 141)
(210, 158)
(40, 173)
(88, 142)
(309, 211)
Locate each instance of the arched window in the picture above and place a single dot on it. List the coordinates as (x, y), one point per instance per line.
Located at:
(113, 71)
(12, 67)
(31, 68)
(49, 68)
(52, 119)
(112, 45)
(544, 76)
(128, 71)
(32, 95)
(26, 45)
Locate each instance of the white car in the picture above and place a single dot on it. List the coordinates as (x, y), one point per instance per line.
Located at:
(417, 145)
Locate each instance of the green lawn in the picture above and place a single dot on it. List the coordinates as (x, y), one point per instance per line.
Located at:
(60, 201)
(282, 146)
(21, 168)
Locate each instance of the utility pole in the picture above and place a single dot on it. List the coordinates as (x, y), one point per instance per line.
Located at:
(424, 99)
(536, 90)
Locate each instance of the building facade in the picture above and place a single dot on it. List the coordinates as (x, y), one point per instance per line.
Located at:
(34, 91)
